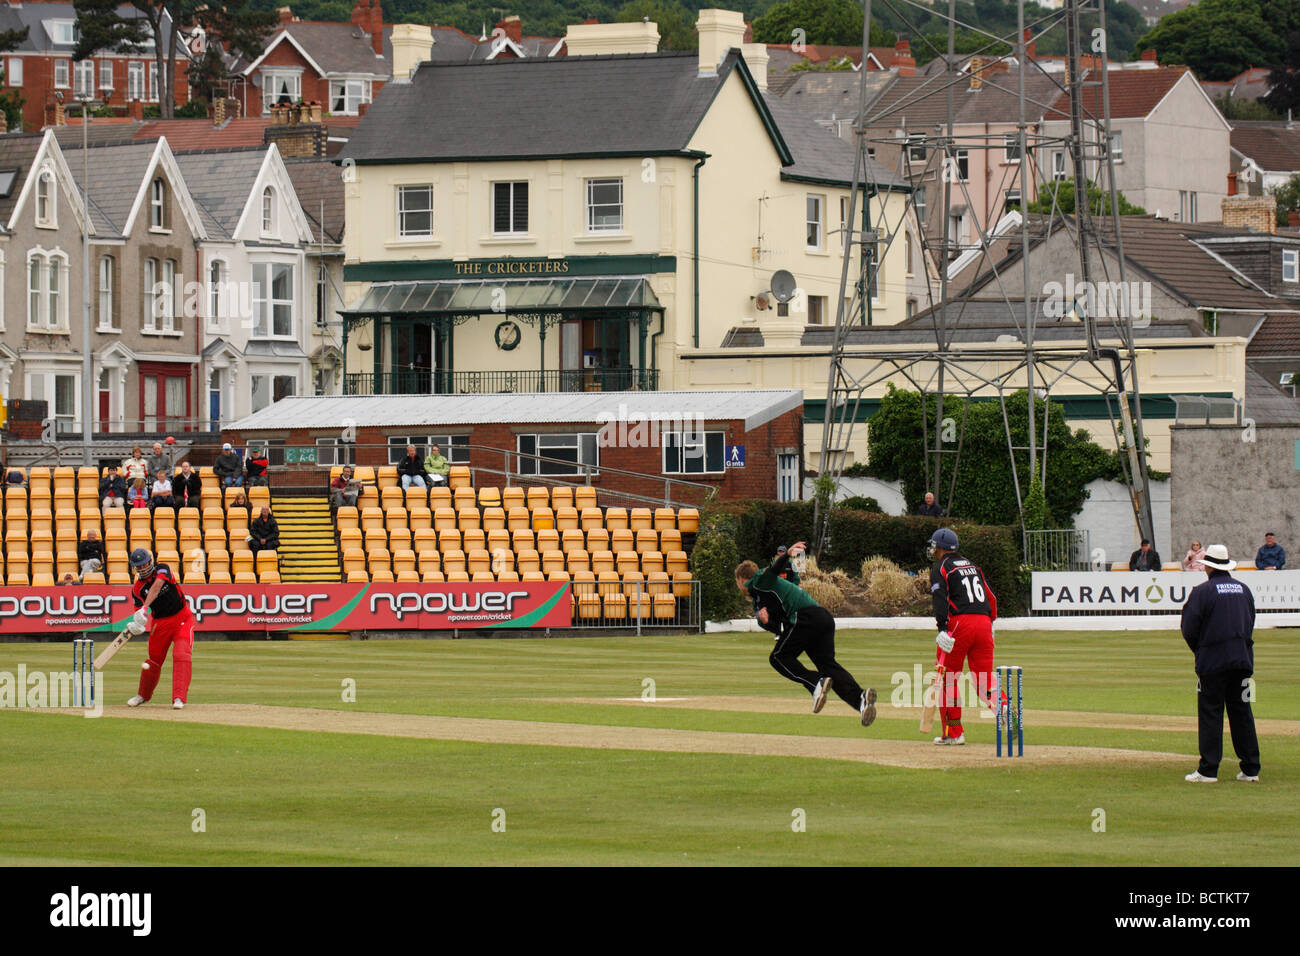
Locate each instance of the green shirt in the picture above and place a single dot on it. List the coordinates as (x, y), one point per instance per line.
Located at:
(437, 465)
(792, 597)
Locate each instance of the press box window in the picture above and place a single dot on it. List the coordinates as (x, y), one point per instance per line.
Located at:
(455, 448)
(574, 452)
(693, 453)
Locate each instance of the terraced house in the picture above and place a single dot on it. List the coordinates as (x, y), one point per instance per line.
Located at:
(596, 222)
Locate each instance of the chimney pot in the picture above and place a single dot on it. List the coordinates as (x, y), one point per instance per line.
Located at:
(376, 28)
(1030, 45)
(1232, 184)
(1149, 56)
(1293, 219)
(903, 59)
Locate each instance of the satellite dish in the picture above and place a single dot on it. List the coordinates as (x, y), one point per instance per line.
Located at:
(783, 285)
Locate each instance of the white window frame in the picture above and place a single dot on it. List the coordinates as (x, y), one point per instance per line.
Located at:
(152, 71)
(47, 195)
(264, 301)
(268, 211)
(815, 218)
(412, 189)
(83, 71)
(346, 88)
(270, 378)
(106, 75)
(1058, 166)
(158, 205)
(604, 224)
(47, 295)
(693, 447)
(271, 81)
(104, 294)
(844, 223)
(454, 447)
(1291, 265)
(135, 80)
(1011, 148)
(513, 185)
(919, 198)
(14, 75)
(817, 304)
(1117, 145)
(218, 304)
(64, 32)
(962, 158)
(62, 73)
(65, 423)
(916, 147)
(335, 451)
(583, 444)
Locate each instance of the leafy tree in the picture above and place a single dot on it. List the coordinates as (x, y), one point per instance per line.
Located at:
(1219, 39)
(232, 24)
(1240, 109)
(1288, 198)
(984, 490)
(1284, 80)
(675, 22)
(1098, 201)
(833, 22)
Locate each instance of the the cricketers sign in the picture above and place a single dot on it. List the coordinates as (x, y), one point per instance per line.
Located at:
(1147, 591)
(303, 607)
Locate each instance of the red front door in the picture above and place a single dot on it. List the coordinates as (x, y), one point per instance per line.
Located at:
(165, 397)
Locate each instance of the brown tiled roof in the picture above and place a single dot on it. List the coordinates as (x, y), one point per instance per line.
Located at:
(1272, 146)
(1133, 93)
(1278, 336)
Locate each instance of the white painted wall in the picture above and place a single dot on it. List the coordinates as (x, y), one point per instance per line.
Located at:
(1108, 517)
(888, 494)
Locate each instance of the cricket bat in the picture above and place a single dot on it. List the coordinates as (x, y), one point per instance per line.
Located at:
(931, 700)
(107, 653)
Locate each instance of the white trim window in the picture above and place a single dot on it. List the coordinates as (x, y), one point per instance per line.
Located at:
(455, 448)
(346, 96)
(158, 204)
(160, 296)
(268, 211)
(574, 451)
(694, 453)
(815, 221)
(135, 80)
(963, 165)
(916, 147)
(106, 75)
(1011, 148)
(919, 198)
(605, 205)
(14, 76)
(62, 73)
(336, 451)
(1058, 166)
(84, 79)
(64, 32)
(104, 295)
(415, 212)
(47, 207)
(280, 86)
(217, 299)
(273, 300)
(267, 389)
(60, 391)
(47, 291)
(1117, 145)
(1290, 265)
(844, 223)
(153, 82)
(510, 208)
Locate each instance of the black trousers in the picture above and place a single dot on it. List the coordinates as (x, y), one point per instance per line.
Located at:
(814, 633)
(1220, 690)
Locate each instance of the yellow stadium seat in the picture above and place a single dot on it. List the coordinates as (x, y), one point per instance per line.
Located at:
(415, 495)
(424, 539)
(268, 575)
(573, 540)
(602, 561)
(566, 519)
(518, 518)
(657, 582)
(598, 540)
(627, 561)
(449, 540)
(358, 576)
(67, 561)
(453, 561)
(688, 520)
(432, 577)
(584, 497)
(578, 561)
(267, 556)
(517, 498)
(639, 519)
(652, 561)
(473, 539)
(38, 540)
(493, 518)
(354, 559)
(543, 518)
(503, 559)
(378, 558)
(382, 575)
(42, 579)
(351, 538)
(608, 582)
(420, 517)
(527, 561)
(372, 517)
(170, 558)
(38, 496)
(440, 497)
(557, 576)
(391, 497)
(394, 517)
(346, 517)
(633, 584)
(547, 540)
(464, 497)
(241, 560)
(665, 519)
(399, 538)
(42, 561)
(407, 576)
(552, 561)
(670, 540)
(584, 582)
(429, 561)
(467, 518)
(116, 578)
(675, 561)
(191, 575)
(588, 606)
(622, 540)
(478, 560)
(615, 606)
(404, 560)
(458, 477)
(444, 518)
(616, 519)
(561, 497)
(647, 539)
(213, 539)
(218, 560)
(489, 497)
(385, 476)
(522, 540)
(375, 538)
(532, 576)
(591, 518)
(499, 538)
(508, 576)
(665, 607)
(681, 583)
(40, 520)
(259, 496)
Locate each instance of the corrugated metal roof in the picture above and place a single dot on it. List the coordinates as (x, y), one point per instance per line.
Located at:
(755, 407)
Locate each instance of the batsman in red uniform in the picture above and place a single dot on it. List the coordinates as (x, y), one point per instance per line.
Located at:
(157, 595)
(964, 609)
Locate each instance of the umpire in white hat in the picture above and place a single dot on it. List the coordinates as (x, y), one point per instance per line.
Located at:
(1218, 620)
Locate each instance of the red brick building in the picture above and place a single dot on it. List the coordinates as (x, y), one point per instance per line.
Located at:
(746, 444)
(41, 69)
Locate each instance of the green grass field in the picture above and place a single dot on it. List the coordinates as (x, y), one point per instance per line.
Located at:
(125, 791)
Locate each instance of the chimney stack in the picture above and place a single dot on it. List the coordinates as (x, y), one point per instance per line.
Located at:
(512, 27)
(286, 15)
(903, 59)
(601, 39)
(1031, 47)
(975, 67)
(376, 28)
(411, 44)
(1149, 56)
(361, 14)
(1232, 184)
(1293, 219)
(1253, 213)
(719, 31)
(218, 111)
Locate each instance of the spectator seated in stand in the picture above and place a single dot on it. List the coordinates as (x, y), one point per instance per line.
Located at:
(91, 555)
(931, 507)
(258, 467)
(239, 501)
(1145, 558)
(112, 489)
(135, 466)
(186, 487)
(344, 490)
(137, 496)
(436, 467)
(228, 468)
(1192, 560)
(264, 533)
(14, 478)
(157, 461)
(1270, 557)
(411, 470)
(160, 495)
(68, 579)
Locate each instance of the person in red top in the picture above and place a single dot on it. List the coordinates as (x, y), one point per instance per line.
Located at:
(964, 609)
(158, 597)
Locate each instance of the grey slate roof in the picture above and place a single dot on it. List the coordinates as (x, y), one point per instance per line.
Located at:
(320, 192)
(16, 152)
(97, 133)
(833, 94)
(116, 173)
(818, 153)
(625, 104)
(220, 183)
(1268, 405)
(340, 48)
(755, 407)
(38, 40)
(922, 101)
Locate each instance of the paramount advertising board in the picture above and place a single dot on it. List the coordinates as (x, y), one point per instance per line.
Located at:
(1151, 591)
(300, 608)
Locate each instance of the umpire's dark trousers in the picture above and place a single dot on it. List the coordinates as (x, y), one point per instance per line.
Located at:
(1230, 689)
(814, 633)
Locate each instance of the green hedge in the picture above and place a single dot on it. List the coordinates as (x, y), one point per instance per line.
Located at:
(755, 529)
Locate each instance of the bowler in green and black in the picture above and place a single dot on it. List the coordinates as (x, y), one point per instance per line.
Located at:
(801, 625)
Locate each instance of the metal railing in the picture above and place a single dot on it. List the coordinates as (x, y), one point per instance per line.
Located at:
(1063, 549)
(437, 382)
(631, 606)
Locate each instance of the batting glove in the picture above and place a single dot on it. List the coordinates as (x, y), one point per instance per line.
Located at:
(944, 641)
(134, 629)
(141, 620)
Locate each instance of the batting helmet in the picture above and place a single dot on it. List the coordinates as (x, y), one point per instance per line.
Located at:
(142, 562)
(944, 538)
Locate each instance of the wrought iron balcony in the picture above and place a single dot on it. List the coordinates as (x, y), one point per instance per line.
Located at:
(415, 382)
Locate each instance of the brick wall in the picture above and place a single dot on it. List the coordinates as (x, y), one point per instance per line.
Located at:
(315, 88)
(1254, 212)
(38, 85)
(756, 480)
